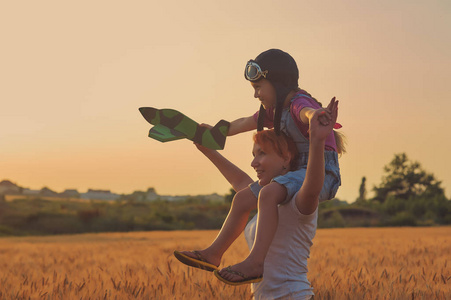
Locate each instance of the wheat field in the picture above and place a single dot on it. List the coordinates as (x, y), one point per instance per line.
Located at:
(357, 263)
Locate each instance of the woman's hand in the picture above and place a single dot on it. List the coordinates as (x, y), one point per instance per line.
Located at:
(204, 149)
(201, 148)
(324, 115)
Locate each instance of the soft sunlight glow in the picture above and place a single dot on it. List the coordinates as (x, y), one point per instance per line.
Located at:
(71, 90)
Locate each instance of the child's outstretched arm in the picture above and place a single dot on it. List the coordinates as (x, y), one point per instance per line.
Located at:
(242, 125)
(234, 175)
(307, 114)
(307, 197)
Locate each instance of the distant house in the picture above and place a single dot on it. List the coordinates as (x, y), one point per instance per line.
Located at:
(212, 198)
(99, 195)
(174, 198)
(151, 195)
(207, 198)
(30, 192)
(46, 192)
(7, 187)
(70, 194)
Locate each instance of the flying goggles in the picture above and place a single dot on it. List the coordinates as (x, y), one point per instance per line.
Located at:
(253, 72)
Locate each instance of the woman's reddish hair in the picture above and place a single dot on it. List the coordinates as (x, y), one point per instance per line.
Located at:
(282, 145)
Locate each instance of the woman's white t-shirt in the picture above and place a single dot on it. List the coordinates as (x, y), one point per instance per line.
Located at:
(285, 268)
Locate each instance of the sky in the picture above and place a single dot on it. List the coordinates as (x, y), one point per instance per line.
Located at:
(73, 75)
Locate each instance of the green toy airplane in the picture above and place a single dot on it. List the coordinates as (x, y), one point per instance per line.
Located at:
(171, 125)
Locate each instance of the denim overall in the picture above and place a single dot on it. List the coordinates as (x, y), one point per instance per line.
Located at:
(293, 180)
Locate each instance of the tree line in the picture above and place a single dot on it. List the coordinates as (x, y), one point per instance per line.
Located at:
(406, 196)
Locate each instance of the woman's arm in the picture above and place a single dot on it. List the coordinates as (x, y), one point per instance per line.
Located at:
(234, 175)
(307, 197)
(242, 125)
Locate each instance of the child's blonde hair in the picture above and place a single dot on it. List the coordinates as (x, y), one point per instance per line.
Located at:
(340, 141)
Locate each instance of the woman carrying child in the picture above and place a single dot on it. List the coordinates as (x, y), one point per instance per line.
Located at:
(290, 110)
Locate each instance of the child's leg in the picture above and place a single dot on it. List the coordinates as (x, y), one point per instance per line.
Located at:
(268, 218)
(243, 203)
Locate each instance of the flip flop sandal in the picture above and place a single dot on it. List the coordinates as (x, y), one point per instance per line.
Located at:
(246, 279)
(172, 125)
(198, 262)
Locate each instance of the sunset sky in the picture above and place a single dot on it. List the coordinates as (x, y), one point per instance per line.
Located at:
(73, 75)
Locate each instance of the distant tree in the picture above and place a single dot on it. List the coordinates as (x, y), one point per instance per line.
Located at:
(404, 179)
(362, 190)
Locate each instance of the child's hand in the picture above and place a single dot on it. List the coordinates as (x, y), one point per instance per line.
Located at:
(319, 129)
(206, 125)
